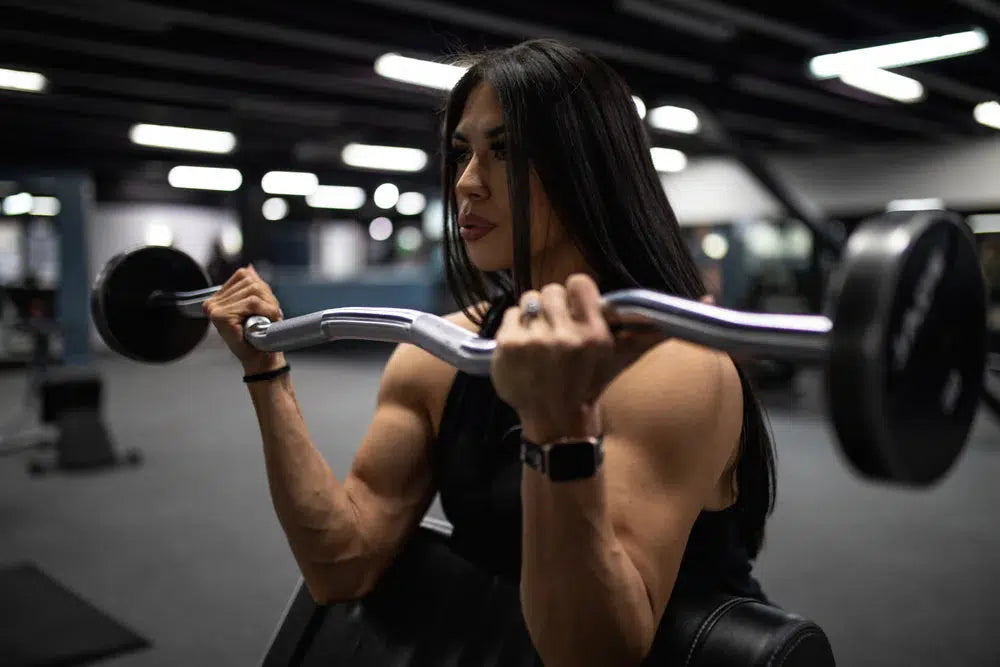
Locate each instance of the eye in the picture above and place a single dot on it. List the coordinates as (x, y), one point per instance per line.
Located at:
(499, 150)
(458, 154)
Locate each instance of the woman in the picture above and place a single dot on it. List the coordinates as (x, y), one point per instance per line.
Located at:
(660, 469)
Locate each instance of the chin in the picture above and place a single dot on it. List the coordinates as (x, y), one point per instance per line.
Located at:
(486, 261)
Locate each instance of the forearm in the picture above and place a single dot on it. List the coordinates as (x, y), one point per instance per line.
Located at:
(314, 510)
(584, 602)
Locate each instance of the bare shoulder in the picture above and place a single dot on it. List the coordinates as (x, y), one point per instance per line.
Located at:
(680, 406)
(422, 377)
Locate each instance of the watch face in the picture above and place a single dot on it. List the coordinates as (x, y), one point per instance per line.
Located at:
(577, 460)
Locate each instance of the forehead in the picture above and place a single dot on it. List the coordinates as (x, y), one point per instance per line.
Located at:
(482, 112)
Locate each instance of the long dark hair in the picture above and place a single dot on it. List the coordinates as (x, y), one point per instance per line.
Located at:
(571, 118)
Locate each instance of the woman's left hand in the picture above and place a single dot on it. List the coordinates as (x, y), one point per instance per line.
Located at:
(552, 367)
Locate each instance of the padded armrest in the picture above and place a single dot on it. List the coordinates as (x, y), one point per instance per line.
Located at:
(432, 607)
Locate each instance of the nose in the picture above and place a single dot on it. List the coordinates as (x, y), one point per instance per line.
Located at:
(471, 184)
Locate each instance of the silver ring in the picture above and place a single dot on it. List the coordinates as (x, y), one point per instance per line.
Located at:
(531, 310)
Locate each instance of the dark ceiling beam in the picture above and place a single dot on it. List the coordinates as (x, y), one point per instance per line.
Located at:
(103, 13)
(372, 88)
(751, 21)
(679, 21)
(985, 7)
(499, 24)
(281, 110)
(164, 17)
(745, 123)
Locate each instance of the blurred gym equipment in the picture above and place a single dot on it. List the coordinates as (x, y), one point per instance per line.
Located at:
(62, 408)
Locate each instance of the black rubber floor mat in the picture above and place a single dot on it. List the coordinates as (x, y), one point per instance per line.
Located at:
(43, 623)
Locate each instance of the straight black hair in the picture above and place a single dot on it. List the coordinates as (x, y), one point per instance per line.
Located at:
(571, 118)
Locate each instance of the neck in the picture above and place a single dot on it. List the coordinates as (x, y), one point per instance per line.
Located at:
(556, 264)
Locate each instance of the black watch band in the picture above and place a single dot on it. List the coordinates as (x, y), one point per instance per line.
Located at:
(566, 459)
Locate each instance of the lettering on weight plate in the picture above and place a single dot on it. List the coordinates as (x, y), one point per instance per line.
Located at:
(913, 319)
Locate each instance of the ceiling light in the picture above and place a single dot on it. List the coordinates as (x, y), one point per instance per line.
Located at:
(183, 138)
(411, 203)
(675, 119)
(337, 196)
(932, 204)
(30, 82)
(18, 204)
(988, 113)
(714, 245)
(420, 72)
(289, 183)
(386, 158)
(386, 195)
(45, 206)
(205, 178)
(380, 229)
(274, 208)
(409, 239)
(668, 159)
(640, 106)
(899, 54)
(884, 83)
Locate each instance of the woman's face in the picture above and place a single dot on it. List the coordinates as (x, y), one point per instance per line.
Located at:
(478, 150)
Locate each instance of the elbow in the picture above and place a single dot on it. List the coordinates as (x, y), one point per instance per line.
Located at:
(331, 583)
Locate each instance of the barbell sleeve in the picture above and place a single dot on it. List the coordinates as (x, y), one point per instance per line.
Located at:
(187, 304)
(789, 337)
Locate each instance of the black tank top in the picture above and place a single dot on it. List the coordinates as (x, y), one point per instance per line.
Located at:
(478, 476)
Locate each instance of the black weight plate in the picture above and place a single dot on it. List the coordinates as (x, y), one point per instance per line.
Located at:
(908, 347)
(124, 318)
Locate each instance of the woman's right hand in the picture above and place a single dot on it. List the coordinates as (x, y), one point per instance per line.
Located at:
(243, 295)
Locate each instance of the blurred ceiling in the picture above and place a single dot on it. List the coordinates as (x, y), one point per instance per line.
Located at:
(295, 80)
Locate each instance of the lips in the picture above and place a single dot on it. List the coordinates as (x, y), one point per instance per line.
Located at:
(474, 221)
(474, 227)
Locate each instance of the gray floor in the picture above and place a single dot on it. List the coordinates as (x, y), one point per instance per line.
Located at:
(186, 549)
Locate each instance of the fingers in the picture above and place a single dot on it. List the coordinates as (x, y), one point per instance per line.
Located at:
(584, 299)
(243, 290)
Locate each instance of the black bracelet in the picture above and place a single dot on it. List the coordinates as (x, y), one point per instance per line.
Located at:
(269, 375)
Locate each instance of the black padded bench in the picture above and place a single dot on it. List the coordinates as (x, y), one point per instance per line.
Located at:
(432, 607)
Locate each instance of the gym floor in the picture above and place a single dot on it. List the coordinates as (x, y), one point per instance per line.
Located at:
(186, 551)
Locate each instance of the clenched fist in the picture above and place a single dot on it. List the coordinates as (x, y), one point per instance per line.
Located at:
(243, 295)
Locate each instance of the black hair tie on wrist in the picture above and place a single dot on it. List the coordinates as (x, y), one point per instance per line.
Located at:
(268, 375)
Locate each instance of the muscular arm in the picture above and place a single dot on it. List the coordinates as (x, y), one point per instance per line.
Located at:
(600, 556)
(344, 535)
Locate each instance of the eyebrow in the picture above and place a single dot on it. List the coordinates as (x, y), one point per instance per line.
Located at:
(490, 134)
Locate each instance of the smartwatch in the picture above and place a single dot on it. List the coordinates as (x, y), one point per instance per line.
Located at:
(566, 459)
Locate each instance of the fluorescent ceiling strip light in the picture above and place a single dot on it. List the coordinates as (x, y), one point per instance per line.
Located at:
(988, 113)
(337, 196)
(205, 178)
(886, 84)
(289, 183)
(182, 138)
(420, 72)
(931, 204)
(900, 54)
(29, 82)
(674, 119)
(668, 159)
(386, 158)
